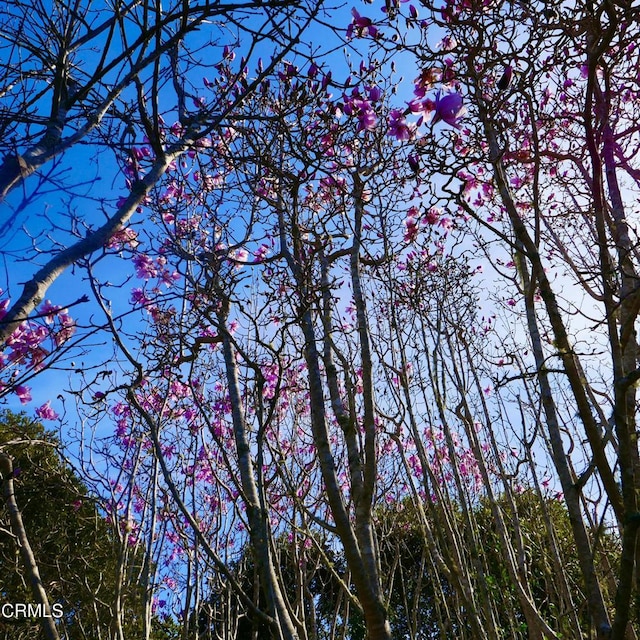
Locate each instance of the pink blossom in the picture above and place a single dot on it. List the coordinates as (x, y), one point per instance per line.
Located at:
(67, 328)
(398, 126)
(145, 267)
(24, 394)
(168, 278)
(361, 26)
(427, 78)
(169, 451)
(261, 252)
(45, 412)
(138, 297)
(239, 255)
(411, 225)
(126, 237)
(448, 43)
(433, 215)
(49, 311)
(367, 118)
(204, 143)
(139, 153)
(449, 109)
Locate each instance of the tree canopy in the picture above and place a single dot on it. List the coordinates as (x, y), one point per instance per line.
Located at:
(78, 555)
(351, 349)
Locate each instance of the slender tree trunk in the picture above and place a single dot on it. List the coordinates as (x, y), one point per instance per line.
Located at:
(570, 487)
(28, 558)
(257, 515)
(358, 541)
(529, 251)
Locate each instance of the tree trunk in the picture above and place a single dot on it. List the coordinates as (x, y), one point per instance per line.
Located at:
(28, 559)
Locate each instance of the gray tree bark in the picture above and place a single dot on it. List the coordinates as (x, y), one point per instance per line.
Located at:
(28, 558)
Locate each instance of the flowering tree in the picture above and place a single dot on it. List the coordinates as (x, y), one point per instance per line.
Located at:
(84, 77)
(273, 206)
(80, 590)
(541, 171)
(258, 237)
(87, 77)
(314, 329)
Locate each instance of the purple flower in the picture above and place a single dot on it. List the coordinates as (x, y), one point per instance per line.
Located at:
(138, 297)
(24, 393)
(145, 267)
(45, 412)
(361, 26)
(398, 126)
(366, 116)
(375, 93)
(449, 109)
